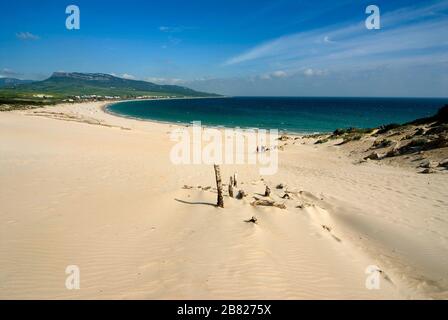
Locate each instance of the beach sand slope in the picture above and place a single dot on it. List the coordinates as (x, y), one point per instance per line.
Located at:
(82, 187)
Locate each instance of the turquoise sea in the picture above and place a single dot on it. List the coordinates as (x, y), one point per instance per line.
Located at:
(290, 114)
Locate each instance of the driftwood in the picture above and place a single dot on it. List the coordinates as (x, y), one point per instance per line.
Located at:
(267, 192)
(304, 205)
(231, 187)
(253, 220)
(268, 203)
(220, 202)
(241, 194)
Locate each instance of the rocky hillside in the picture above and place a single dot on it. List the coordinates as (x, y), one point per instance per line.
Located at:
(422, 144)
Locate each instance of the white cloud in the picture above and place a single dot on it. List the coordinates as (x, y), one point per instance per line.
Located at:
(309, 72)
(165, 29)
(8, 73)
(279, 74)
(327, 39)
(128, 76)
(171, 42)
(159, 80)
(174, 29)
(274, 74)
(26, 36)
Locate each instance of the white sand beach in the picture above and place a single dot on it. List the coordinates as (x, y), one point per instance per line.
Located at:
(82, 187)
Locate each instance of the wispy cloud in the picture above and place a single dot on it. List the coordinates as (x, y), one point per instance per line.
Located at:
(26, 36)
(157, 80)
(8, 73)
(409, 33)
(328, 40)
(274, 74)
(124, 76)
(174, 29)
(160, 80)
(309, 72)
(128, 76)
(171, 42)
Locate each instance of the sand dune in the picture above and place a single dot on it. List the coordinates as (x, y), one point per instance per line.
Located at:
(82, 187)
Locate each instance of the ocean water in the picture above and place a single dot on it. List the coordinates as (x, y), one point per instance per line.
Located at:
(290, 114)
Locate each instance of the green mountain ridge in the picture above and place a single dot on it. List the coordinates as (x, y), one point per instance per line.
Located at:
(66, 84)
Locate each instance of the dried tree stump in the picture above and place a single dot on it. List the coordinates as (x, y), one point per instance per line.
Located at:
(231, 187)
(267, 192)
(220, 202)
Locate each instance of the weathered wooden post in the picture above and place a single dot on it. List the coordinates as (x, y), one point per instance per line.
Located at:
(231, 187)
(219, 186)
(267, 192)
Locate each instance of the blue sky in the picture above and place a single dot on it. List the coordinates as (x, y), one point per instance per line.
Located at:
(281, 47)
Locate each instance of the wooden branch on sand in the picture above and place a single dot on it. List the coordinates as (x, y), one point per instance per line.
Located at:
(253, 220)
(268, 203)
(220, 202)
